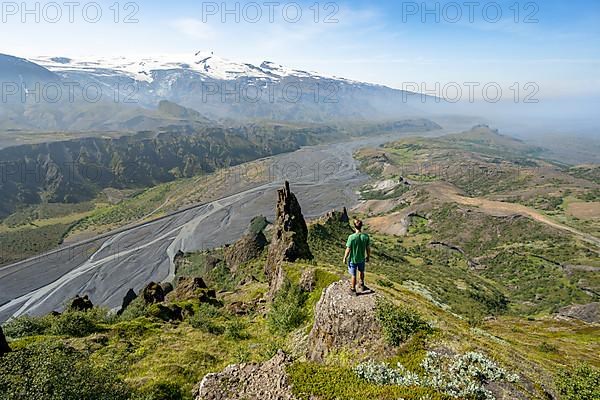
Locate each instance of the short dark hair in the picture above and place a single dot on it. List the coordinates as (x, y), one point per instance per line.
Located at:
(358, 224)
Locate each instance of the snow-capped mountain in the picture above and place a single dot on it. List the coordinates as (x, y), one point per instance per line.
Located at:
(203, 62)
(130, 89)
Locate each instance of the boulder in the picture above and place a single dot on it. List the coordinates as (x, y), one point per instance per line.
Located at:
(153, 293)
(170, 312)
(268, 380)
(129, 297)
(187, 288)
(589, 313)
(290, 237)
(240, 308)
(343, 320)
(211, 262)
(81, 304)
(193, 288)
(4, 347)
(167, 287)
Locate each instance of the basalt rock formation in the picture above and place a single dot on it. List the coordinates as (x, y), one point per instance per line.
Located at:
(268, 380)
(129, 297)
(81, 303)
(153, 293)
(338, 216)
(193, 288)
(343, 320)
(290, 237)
(249, 247)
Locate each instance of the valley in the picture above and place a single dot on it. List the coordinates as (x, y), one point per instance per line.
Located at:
(465, 236)
(113, 263)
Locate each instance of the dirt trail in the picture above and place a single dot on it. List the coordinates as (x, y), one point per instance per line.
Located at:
(448, 192)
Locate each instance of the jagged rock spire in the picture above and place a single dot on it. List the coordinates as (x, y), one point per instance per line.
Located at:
(290, 236)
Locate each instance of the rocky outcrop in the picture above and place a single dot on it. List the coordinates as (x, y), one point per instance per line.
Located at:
(249, 247)
(193, 288)
(81, 303)
(308, 280)
(171, 312)
(344, 320)
(153, 293)
(338, 216)
(268, 380)
(4, 347)
(290, 237)
(167, 287)
(129, 297)
(589, 313)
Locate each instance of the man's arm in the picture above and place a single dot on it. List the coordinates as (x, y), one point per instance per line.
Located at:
(346, 254)
(368, 253)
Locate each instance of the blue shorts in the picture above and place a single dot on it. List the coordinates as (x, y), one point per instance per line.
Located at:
(353, 267)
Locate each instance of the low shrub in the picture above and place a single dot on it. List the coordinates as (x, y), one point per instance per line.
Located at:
(399, 323)
(460, 376)
(464, 376)
(548, 348)
(205, 324)
(236, 330)
(27, 325)
(56, 372)
(579, 383)
(75, 323)
(137, 308)
(328, 382)
(209, 310)
(159, 391)
(287, 311)
(385, 283)
(382, 374)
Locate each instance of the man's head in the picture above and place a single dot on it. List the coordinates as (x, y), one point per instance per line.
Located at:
(358, 224)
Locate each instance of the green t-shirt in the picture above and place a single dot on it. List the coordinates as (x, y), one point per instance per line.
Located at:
(358, 243)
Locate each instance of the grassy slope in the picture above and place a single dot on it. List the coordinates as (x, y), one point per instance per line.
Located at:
(151, 354)
(526, 260)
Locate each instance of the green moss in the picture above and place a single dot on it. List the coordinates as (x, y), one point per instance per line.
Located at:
(333, 383)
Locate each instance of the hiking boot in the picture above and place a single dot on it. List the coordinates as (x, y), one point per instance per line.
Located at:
(353, 292)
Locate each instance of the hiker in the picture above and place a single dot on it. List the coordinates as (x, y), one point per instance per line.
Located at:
(357, 254)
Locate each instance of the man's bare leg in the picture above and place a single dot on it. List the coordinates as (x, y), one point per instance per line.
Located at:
(362, 280)
(353, 283)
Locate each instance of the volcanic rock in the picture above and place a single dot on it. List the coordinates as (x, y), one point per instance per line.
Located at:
(290, 237)
(343, 320)
(308, 280)
(81, 303)
(268, 380)
(589, 313)
(249, 247)
(129, 297)
(153, 293)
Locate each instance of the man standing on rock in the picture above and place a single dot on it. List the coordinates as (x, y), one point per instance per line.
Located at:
(357, 253)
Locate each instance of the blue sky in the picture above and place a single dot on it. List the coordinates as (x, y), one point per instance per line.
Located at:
(383, 42)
